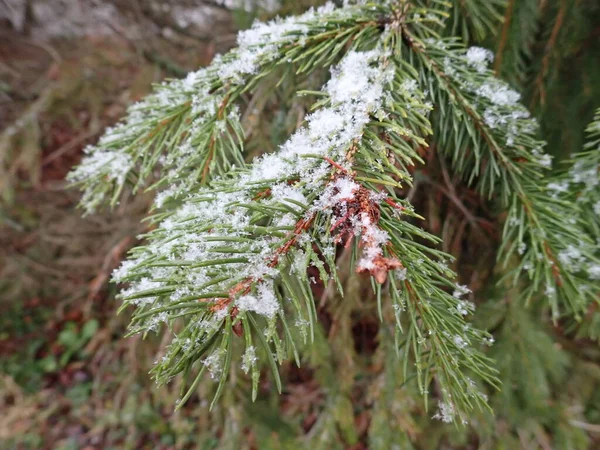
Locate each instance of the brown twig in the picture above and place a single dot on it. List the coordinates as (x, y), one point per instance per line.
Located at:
(539, 81)
(72, 144)
(504, 36)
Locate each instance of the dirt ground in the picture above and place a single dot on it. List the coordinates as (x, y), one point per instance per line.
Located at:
(67, 379)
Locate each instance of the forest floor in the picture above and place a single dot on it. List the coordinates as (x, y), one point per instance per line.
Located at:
(67, 379)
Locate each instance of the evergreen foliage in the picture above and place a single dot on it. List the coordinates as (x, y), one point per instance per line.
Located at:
(236, 246)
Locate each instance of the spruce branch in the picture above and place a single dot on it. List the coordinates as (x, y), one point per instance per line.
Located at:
(517, 36)
(529, 362)
(189, 130)
(584, 176)
(475, 20)
(579, 183)
(226, 267)
(227, 259)
(491, 140)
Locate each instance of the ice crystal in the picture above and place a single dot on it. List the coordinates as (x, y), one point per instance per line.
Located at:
(213, 363)
(401, 274)
(464, 308)
(459, 341)
(446, 412)
(558, 187)
(249, 358)
(460, 291)
(114, 165)
(572, 258)
(479, 58)
(264, 303)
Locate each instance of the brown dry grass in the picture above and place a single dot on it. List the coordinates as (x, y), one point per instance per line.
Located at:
(55, 264)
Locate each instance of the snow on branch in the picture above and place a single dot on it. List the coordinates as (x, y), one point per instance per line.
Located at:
(190, 129)
(492, 141)
(228, 262)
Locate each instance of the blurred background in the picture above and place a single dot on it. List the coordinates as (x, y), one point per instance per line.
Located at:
(68, 380)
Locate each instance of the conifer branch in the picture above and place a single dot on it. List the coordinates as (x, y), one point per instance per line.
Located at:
(189, 130)
(580, 184)
(491, 141)
(475, 20)
(227, 264)
(517, 37)
(261, 222)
